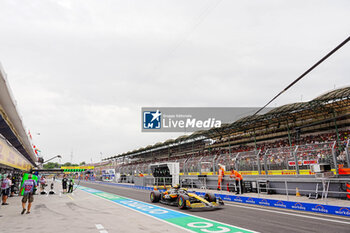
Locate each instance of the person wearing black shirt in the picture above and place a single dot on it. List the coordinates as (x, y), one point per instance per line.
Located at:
(64, 183)
(70, 185)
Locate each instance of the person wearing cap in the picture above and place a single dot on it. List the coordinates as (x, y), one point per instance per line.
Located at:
(28, 186)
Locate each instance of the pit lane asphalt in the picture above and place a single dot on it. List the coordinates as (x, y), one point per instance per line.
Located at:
(261, 219)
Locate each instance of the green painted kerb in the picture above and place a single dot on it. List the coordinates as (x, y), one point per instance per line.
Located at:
(203, 225)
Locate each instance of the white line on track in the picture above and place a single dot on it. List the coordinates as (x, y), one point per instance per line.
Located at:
(292, 214)
(99, 226)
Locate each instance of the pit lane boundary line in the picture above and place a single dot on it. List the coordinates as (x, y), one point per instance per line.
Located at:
(185, 221)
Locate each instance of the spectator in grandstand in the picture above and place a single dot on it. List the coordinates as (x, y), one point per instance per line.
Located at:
(239, 180)
(5, 189)
(341, 158)
(29, 186)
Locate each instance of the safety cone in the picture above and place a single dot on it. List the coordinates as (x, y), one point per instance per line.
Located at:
(297, 194)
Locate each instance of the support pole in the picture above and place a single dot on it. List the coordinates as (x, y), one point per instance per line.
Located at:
(347, 153)
(335, 158)
(258, 161)
(296, 160)
(289, 138)
(265, 164)
(336, 128)
(255, 140)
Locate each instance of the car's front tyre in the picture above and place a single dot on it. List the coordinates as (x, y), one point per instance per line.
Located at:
(181, 201)
(154, 196)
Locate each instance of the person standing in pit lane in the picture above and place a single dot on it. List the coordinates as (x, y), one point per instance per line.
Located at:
(64, 183)
(5, 189)
(70, 185)
(29, 185)
(239, 180)
(221, 175)
(42, 183)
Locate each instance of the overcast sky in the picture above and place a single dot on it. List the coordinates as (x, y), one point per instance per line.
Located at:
(80, 71)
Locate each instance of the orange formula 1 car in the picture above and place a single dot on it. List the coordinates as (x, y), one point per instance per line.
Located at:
(180, 197)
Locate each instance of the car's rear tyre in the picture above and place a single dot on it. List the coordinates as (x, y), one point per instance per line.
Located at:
(210, 197)
(154, 196)
(181, 201)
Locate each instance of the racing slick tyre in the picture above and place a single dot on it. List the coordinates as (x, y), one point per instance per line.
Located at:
(210, 197)
(155, 196)
(181, 201)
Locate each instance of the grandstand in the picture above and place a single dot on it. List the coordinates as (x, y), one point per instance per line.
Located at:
(301, 133)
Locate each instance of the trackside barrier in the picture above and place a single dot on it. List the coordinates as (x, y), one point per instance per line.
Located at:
(302, 206)
(311, 207)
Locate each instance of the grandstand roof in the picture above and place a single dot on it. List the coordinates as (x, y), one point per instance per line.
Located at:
(335, 95)
(339, 96)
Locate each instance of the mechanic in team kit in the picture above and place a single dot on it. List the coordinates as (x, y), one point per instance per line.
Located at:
(238, 179)
(221, 175)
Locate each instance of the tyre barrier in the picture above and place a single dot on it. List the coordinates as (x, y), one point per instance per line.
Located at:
(348, 190)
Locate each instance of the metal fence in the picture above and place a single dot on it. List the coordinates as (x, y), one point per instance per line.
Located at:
(294, 159)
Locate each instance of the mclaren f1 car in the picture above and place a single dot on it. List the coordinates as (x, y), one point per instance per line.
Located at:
(180, 197)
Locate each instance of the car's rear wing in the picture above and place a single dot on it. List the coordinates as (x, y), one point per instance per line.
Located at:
(161, 188)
